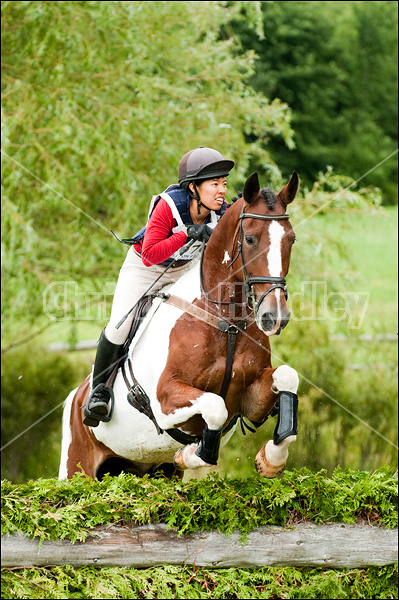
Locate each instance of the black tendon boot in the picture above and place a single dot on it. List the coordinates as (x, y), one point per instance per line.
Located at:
(287, 422)
(208, 447)
(99, 405)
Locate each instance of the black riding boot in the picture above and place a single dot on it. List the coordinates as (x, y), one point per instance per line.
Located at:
(99, 406)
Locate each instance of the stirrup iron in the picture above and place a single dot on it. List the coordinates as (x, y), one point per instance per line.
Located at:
(91, 416)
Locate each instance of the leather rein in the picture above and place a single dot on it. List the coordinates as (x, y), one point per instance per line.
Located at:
(232, 329)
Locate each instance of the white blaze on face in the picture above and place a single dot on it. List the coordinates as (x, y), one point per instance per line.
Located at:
(276, 233)
(226, 258)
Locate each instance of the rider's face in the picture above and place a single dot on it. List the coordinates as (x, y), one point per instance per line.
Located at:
(212, 192)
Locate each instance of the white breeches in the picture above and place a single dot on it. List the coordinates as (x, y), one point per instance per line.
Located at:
(133, 281)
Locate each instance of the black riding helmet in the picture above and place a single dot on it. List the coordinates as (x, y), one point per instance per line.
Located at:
(200, 164)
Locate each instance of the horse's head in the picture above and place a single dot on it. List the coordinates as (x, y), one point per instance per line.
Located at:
(265, 239)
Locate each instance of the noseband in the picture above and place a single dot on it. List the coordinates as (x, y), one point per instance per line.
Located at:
(277, 282)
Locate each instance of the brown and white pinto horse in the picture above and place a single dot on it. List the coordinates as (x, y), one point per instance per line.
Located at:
(180, 358)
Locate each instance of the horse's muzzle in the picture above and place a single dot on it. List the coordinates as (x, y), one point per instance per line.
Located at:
(272, 324)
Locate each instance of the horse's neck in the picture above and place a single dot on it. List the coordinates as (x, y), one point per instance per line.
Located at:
(216, 273)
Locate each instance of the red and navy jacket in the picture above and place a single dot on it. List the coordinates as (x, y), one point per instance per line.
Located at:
(164, 234)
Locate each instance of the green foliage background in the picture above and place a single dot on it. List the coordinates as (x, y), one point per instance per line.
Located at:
(335, 65)
(99, 102)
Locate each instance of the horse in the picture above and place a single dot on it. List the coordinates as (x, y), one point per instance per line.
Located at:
(202, 357)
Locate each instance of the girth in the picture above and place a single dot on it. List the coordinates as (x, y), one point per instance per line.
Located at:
(232, 331)
(138, 398)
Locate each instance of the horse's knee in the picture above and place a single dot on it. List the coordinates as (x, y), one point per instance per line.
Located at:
(213, 410)
(210, 406)
(285, 378)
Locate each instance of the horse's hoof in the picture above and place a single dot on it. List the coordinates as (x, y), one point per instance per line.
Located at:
(186, 458)
(178, 460)
(264, 467)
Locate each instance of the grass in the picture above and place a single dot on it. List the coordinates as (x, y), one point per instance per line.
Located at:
(369, 259)
(372, 241)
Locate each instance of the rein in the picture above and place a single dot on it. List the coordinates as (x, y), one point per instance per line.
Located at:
(277, 283)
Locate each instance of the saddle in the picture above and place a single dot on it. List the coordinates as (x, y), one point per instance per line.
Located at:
(136, 396)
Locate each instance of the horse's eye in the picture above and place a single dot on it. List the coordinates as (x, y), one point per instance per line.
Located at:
(250, 240)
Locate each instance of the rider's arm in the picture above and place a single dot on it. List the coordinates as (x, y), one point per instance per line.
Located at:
(159, 242)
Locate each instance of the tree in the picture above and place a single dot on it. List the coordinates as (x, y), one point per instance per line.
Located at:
(335, 64)
(100, 101)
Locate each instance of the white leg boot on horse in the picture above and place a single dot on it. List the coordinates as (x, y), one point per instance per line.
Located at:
(271, 459)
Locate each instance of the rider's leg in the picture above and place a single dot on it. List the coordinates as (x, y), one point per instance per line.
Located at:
(133, 281)
(111, 343)
(98, 407)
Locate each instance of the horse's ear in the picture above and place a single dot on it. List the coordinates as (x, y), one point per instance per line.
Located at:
(251, 188)
(289, 191)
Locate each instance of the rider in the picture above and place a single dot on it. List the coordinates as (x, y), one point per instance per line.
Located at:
(183, 212)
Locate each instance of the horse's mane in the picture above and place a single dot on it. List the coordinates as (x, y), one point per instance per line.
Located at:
(269, 196)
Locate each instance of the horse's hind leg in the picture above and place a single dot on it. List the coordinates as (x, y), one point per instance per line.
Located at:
(80, 450)
(66, 436)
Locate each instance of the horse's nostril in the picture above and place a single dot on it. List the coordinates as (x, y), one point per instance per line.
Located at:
(268, 321)
(284, 321)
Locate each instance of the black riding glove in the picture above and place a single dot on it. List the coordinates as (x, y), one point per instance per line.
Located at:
(199, 233)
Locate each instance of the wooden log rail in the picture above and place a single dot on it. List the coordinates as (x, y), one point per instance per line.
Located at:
(334, 545)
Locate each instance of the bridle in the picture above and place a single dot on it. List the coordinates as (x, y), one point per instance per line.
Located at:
(248, 280)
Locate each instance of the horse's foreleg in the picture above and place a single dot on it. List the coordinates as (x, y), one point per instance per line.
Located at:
(179, 402)
(203, 454)
(271, 459)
